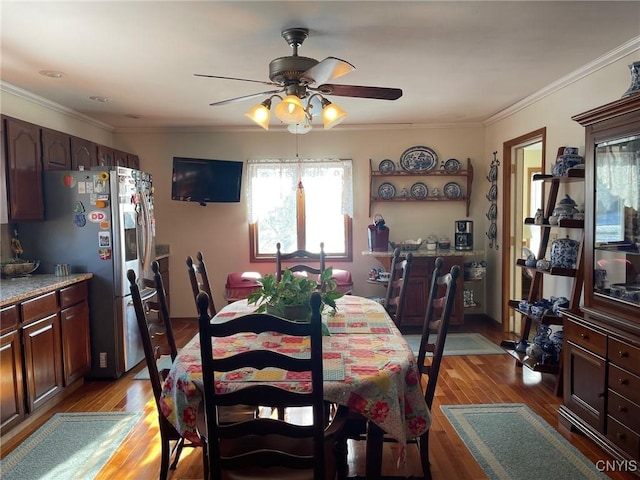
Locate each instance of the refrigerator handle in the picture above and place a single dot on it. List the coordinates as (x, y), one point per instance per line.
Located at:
(146, 232)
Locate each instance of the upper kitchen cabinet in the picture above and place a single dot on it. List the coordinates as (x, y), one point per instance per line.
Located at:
(56, 150)
(120, 159)
(23, 170)
(106, 156)
(133, 161)
(83, 153)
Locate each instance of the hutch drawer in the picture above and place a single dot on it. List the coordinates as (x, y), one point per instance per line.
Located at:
(624, 438)
(625, 383)
(625, 411)
(624, 355)
(586, 337)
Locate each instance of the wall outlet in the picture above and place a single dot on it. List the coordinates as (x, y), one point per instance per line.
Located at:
(103, 359)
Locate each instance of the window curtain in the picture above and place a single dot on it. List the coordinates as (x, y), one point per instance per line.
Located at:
(271, 180)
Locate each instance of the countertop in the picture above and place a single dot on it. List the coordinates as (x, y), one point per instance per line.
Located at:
(13, 290)
(423, 252)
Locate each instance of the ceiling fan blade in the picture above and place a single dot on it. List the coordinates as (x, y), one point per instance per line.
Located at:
(234, 78)
(244, 97)
(381, 93)
(327, 69)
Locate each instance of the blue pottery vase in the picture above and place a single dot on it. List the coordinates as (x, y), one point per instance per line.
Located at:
(564, 252)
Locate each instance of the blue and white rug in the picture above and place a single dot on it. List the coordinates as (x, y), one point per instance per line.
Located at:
(69, 446)
(510, 441)
(461, 344)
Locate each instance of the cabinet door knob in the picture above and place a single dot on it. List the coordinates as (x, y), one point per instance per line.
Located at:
(623, 381)
(622, 408)
(622, 354)
(584, 336)
(620, 436)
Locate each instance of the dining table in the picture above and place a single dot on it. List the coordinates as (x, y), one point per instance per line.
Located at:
(367, 364)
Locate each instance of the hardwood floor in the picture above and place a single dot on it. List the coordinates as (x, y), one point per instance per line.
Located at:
(463, 380)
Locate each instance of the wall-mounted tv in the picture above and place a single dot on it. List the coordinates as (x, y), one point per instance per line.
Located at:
(206, 181)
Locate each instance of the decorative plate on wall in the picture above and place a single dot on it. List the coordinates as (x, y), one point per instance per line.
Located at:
(419, 190)
(386, 166)
(452, 165)
(452, 190)
(418, 159)
(386, 191)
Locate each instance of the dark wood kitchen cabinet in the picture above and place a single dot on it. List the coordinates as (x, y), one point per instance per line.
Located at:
(120, 158)
(133, 161)
(56, 150)
(106, 156)
(74, 330)
(45, 350)
(42, 349)
(23, 171)
(12, 391)
(83, 153)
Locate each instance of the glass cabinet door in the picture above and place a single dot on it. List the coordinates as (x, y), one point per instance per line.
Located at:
(616, 253)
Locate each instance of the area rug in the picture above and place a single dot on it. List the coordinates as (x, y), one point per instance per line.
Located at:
(509, 441)
(70, 446)
(163, 362)
(461, 344)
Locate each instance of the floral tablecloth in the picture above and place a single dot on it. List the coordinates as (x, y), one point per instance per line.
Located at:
(368, 367)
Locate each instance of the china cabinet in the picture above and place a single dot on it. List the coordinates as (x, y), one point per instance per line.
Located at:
(572, 270)
(602, 354)
(410, 186)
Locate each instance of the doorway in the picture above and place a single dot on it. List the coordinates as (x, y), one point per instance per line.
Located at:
(523, 157)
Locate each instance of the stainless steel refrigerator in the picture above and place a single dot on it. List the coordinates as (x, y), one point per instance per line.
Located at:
(102, 222)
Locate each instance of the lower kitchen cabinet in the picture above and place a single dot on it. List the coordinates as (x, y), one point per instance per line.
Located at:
(42, 360)
(74, 330)
(44, 348)
(11, 382)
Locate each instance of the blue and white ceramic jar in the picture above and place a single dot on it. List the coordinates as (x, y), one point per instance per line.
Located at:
(564, 252)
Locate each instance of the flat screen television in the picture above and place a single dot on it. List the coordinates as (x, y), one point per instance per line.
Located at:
(206, 181)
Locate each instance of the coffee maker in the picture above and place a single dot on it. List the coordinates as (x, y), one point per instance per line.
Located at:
(464, 235)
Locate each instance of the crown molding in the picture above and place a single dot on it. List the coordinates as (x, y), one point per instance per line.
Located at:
(11, 89)
(623, 50)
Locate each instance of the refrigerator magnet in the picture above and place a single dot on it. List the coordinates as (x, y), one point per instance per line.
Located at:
(69, 181)
(104, 239)
(105, 225)
(104, 253)
(82, 188)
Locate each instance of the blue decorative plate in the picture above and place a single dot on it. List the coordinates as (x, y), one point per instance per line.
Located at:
(386, 191)
(419, 190)
(452, 166)
(386, 166)
(452, 190)
(418, 159)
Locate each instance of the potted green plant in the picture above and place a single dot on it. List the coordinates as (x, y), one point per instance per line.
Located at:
(289, 298)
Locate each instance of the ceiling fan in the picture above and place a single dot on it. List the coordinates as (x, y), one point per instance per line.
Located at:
(301, 78)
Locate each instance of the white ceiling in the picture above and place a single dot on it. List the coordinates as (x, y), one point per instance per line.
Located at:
(457, 62)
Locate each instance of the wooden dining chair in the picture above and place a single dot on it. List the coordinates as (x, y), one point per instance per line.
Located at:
(267, 447)
(437, 316)
(158, 340)
(300, 255)
(199, 280)
(436, 322)
(396, 295)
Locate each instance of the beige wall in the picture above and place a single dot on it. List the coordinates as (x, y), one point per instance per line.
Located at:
(220, 230)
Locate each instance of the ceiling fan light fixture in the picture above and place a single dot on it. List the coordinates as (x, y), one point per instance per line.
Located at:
(290, 110)
(261, 114)
(332, 114)
(300, 128)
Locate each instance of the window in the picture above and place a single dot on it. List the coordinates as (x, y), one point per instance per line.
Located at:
(300, 203)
